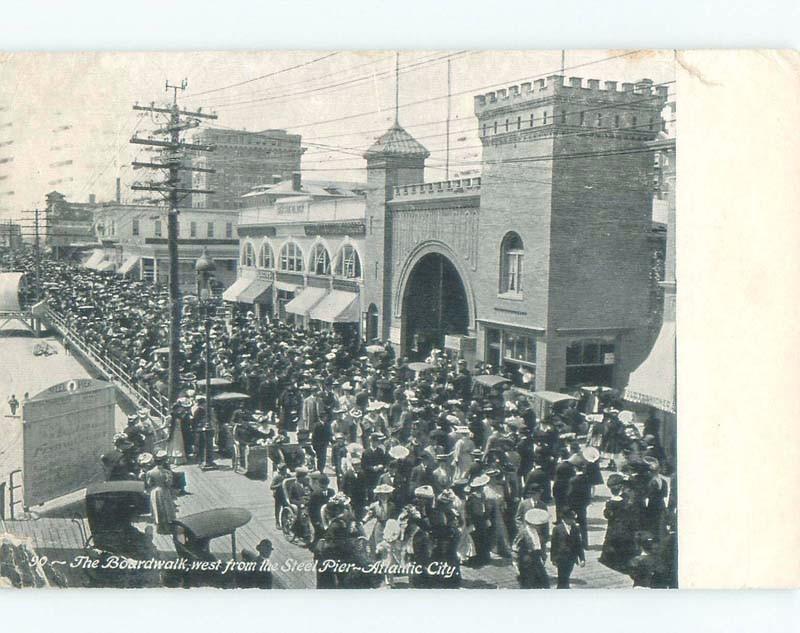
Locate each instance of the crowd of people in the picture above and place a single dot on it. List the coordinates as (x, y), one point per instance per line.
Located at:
(401, 472)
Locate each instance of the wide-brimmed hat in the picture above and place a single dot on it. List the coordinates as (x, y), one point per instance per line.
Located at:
(424, 492)
(145, 459)
(590, 454)
(383, 489)
(398, 452)
(480, 480)
(537, 516)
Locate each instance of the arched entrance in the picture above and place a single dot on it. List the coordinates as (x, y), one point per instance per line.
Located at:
(372, 323)
(434, 304)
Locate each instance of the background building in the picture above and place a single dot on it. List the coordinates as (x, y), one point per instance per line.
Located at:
(134, 240)
(543, 263)
(241, 160)
(302, 253)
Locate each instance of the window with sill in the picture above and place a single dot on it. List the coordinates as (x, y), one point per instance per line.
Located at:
(248, 255)
(291, 259)
(265, 256)
(320, 261)
(348, 264)
(511, 265)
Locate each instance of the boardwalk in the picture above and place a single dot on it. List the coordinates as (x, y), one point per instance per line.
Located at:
(57, 536)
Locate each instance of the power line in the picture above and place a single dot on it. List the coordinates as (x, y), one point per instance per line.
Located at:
(461, 92)
(339, 85)
(272, 74)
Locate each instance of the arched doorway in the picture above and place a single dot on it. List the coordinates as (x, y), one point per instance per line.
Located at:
(434, 304)
(372, 323)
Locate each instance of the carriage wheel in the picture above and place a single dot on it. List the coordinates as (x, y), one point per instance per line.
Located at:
(286, 520)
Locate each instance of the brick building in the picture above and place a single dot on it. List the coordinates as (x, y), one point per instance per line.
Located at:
(543, 263)
(241, 160)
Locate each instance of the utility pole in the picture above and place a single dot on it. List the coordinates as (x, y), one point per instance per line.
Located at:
(37, 254)
(173, 148)
(447, 135)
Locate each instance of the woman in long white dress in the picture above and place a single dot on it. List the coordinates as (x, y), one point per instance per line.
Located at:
(176, 452)
(158, 482)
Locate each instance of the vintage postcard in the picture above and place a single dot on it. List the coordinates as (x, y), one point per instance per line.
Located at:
(341, 320)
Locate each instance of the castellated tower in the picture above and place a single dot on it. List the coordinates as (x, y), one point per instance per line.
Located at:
(394, 160)
(567, 168)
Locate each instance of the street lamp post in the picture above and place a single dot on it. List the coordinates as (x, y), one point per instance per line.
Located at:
(204, 268)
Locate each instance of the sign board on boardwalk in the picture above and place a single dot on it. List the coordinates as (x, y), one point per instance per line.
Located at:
(65, 430)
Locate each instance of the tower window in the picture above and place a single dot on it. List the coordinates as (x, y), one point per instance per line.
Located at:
(519, 122)
(484, 129)
(532, 123)
(511, 257)
(135, 227)
(506, 125)
(616, 120)
(652, 123)
(495, 127)
(563, 117)
(583, 118)
(634, 122)
(544, 117)
(599, 120)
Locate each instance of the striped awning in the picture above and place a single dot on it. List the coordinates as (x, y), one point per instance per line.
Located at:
(232, 292)
(338, 306)
(306, 300)
(653, 382)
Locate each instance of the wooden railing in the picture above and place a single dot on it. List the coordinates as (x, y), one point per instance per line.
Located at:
(138, 393)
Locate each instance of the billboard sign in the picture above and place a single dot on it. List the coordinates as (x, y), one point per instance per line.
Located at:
(65, 430)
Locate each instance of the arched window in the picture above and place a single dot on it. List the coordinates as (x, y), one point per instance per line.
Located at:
(291, 258)
(265, 257)
(248, 255)
(320, 261)
(511, 256)
(348, 263)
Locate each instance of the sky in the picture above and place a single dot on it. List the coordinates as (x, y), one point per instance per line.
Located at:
(66, 118)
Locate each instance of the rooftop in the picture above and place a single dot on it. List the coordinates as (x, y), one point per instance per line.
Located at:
(397, 142)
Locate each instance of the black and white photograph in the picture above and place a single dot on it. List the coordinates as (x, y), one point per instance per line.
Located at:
(339, 320)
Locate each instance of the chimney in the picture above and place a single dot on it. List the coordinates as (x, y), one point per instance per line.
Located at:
(296, 181)
(119, 191)
(92, 198)
(276, 178)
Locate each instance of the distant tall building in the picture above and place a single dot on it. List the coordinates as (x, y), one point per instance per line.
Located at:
(242, 160)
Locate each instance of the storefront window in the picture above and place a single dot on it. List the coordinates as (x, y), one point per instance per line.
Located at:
(590, 362)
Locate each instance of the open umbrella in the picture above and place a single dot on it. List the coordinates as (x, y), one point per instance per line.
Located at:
(230, 396)
(418, 367)
(490, 380)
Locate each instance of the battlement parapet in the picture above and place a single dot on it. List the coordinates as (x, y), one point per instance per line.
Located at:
(458, 186)
(554, 86)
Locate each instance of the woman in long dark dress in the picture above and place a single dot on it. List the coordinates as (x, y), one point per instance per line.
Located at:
(619, 545)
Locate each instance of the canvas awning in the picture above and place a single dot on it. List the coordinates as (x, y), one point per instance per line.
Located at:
(94, 259)
(653, 382)
(287, 287)
(306, 300)
(105, 265)
(128, 265)
(338, 306)
(232, 292)
(259, 291)
(9, 291)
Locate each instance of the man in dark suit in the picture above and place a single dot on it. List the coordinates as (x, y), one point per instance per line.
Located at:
(566, 547)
